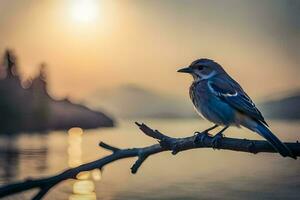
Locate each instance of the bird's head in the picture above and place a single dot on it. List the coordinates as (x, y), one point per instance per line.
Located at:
(203, 69)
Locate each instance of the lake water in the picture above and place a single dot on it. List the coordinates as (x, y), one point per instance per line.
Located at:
(194, 174)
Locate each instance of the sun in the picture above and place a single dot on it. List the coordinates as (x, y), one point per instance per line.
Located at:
(84, 11)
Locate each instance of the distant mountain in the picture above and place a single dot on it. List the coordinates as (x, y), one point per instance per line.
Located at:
(131, 101)
(32, 109)
(287, 107)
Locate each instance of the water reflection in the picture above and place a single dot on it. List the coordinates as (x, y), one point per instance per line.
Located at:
(96, 174)
(9, 158)
(83, 187)
(74, 148)
(16, 161)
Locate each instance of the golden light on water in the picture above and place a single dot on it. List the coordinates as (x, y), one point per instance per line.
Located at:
(74, 149)
(83, 175)
(83, 197)
(96, 174)
(84, 10)
(83, 187)
(75, 131)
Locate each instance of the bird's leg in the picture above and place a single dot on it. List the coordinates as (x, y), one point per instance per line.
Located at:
(218, 137)
(201, 135)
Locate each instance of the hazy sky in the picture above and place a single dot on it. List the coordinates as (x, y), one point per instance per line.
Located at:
(112, 43)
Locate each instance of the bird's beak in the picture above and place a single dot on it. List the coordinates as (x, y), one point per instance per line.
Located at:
(185, 70)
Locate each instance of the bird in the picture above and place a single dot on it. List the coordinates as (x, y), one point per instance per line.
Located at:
(220, 99)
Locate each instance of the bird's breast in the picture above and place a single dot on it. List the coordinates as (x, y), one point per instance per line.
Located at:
(210, 106)
(198, 93)
(198, 96)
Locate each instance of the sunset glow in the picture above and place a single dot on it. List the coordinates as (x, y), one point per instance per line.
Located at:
(115, 43)
(84, 11)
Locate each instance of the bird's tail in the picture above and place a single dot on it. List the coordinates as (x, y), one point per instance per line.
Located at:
(274, 141)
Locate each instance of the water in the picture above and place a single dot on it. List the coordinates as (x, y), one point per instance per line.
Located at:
(194, 174)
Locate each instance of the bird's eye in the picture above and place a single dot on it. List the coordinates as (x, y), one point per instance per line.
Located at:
(200, 67)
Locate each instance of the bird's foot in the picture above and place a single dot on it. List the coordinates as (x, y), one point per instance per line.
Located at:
(200, 136)
(216, 141)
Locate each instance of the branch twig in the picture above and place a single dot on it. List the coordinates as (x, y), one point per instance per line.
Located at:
(166, 143)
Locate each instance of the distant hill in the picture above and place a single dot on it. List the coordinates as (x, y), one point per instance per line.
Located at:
(287, 107)
(32, 109)
(131, 101)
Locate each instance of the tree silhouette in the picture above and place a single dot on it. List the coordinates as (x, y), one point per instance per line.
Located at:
(10, 62)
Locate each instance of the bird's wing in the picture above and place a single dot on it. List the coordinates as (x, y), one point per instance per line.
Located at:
(232, 93)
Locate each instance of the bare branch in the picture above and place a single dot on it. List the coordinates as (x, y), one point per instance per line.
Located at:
(166, 143)
(109, 147)
(42, 192)
(138, 163)
(151, 133)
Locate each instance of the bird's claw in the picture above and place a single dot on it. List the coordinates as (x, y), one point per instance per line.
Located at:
(216, 141)
(200, 136)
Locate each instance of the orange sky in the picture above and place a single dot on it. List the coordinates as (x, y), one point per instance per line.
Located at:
(145, 42)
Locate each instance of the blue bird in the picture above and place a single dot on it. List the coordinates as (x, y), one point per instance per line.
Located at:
(222, 101)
